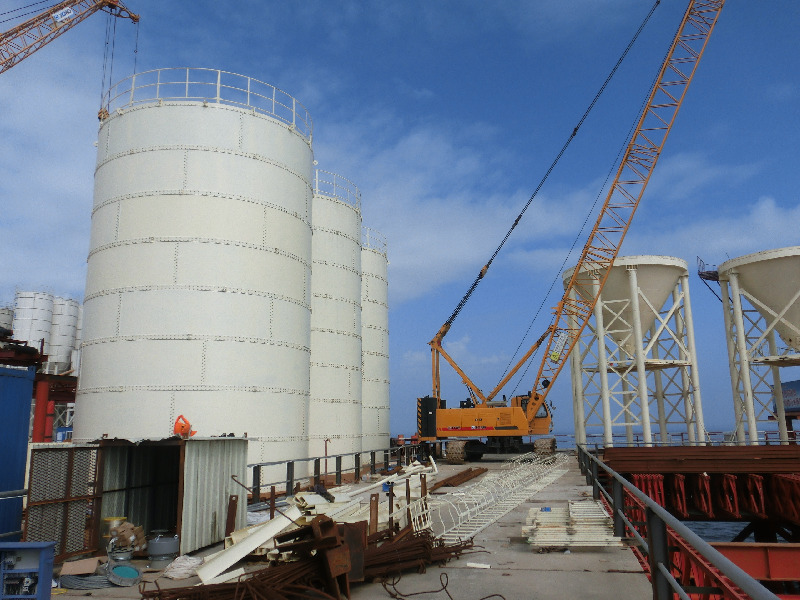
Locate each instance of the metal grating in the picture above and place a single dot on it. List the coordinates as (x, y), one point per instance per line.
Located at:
(62, 498)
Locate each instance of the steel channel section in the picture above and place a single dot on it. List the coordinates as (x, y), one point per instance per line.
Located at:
(375, 340)
(335, 409)
(198, 284)
(661, 519)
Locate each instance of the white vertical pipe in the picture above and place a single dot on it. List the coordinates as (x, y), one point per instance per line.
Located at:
(602, 364)
(663, 435)
(578, 394)
(744, 359)
(738, 402)
(780, 409)
(693, 373)
(633, 287)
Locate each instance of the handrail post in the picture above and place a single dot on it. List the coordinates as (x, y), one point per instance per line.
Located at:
(317, 471)
(257, 483)
(658, 554)
(357, 460)
(289, 478)
(595, 482)
(618, 496)
(386, 459)
(372, 469)
(338, 470)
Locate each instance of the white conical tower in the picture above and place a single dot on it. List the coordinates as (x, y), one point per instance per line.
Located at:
(634, 370)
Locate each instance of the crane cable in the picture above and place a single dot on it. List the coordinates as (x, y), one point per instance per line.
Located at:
(13, 10)
(572, 135)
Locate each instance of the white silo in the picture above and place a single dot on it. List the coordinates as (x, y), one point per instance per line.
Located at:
(375, 341)
(62, 333)
(334, 423)
(33, 318)
(761, 304)
(635, 367)
(6, 317)
(198, 282)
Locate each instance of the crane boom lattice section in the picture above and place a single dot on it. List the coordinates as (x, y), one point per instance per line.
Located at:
(23, 40)
(572, 313)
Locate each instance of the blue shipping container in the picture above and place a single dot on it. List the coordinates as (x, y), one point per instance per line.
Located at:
(16, 391)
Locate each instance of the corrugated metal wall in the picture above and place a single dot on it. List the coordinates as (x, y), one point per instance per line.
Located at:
(207, 469)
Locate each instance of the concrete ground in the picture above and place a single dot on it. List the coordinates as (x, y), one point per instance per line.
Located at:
(516, 570)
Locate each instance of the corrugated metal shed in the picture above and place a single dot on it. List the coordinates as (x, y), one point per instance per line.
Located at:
(176, 485)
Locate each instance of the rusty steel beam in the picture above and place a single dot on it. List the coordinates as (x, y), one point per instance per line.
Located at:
(704, 459)
(765, 562)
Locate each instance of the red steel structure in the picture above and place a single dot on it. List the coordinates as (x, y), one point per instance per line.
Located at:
(758, 486)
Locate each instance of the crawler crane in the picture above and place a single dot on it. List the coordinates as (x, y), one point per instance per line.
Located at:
(503, 423)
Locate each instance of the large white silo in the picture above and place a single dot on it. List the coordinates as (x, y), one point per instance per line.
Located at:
(375, 341)
(63, 332)
(634, 369)
(761, 305)
(334, 422)
(33, 318)
(197, 297)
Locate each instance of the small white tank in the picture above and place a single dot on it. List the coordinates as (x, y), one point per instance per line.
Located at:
(62, 333)
(6, 317)
(375, 340)
(197, 297)
(335, 405)
(33, 318)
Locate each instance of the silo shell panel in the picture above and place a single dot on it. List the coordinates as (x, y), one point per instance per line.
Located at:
(33, 318)
(198, 285)
(375, 353)
(656, 278)
(335, 407)
(763, 275)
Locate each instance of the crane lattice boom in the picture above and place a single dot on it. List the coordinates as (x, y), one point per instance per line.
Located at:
(574, 311)
(23, 40)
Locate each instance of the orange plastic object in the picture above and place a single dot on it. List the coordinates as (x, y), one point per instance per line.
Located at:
(183, 428)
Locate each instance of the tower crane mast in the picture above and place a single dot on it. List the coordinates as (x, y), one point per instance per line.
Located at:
(26, 38)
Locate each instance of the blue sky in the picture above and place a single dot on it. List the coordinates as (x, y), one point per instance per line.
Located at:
(446, 115)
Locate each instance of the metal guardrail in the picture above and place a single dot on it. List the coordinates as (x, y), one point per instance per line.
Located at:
(8, 495)
(343, 464)
(209, 86)
(656, 527)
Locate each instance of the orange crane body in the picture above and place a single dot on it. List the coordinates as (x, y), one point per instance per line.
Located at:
(529, 414)
(18, 43)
